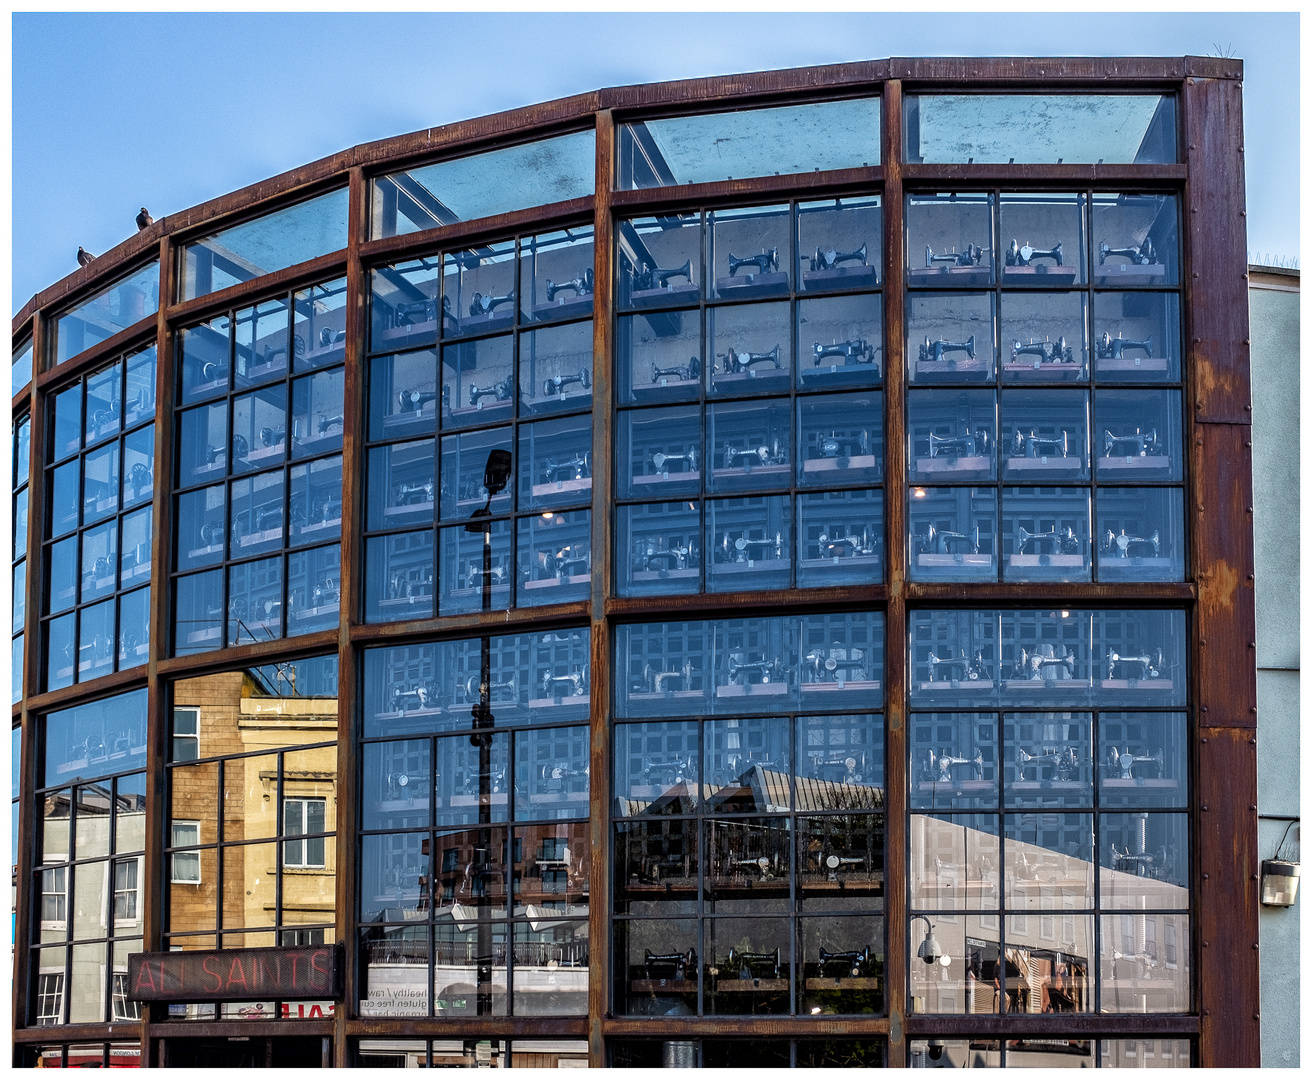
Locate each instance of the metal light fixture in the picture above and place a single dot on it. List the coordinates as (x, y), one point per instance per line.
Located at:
(1280, 878)
(930, 951)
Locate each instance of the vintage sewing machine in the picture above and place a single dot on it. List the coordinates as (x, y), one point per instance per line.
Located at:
(211, 533)
(852, 962)
(935, 542)
(1126, 760)
(557, 383)
(855, 351)
(565, 563)
(410, 494)
(658, 681)
(742, 548)
(679, 965)
(764, 262)
(735, 363)
(773, 454)
(474, 574)
(669, 773)
(328, 591)
(329, 336)
(653, 277)
(753, 965)
(934, 351)
(499, 391)
(1121, 543)
(556, 778)
(1045, 352)
(1113, 348)
(414, 696)
(473, 689)
(847, 547)
(968, 444)
(768, 671)
(139, 477)
(1142, 255)
(412, 312)
(485, 305)
(1138, 444)
(940, 766)
(571, 684)
(1149, 666)
(326, 422)
(580, 466)
(1024, 254)
(1043, 664)
(649, 553)
(404, 587)
(212, 372)
(831, 259)
(1039, 446)
(1062, 760)
(825, 665)
(415, 400)
(579, 286)
(273, 436)
(841, 448)
(765, 866)
(688, 459)
(971, 256)
(970, 670)
(1060, 541)
(682, 374)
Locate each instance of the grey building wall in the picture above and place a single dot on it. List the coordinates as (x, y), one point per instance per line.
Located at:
(1273, 314)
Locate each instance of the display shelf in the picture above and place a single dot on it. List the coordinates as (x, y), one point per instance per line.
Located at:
(141, 570)
(667, 297)
(645, 697)
(1146, 784)
(1033, 687)
(823, 465)
(1039, 274)
(102, 431)
(692, 477)
(214, 386)
(852, 686)
(323, 356)
(665, 389)
(1132, 566)
(213, 468)
(840, 277)
(839, 562)
(273, 453)
(316, 612)
(257, 373)
(733, 984)
(1040, 371)
(973, 788)
(568, 702)
(1137, 365)
(686, 574)
(740, 472)
(566, 399)
(753, 380)
(927, 368)
(197, 637)
(1129, 274)
(944, 467)
(410, 509)
(402, 715)
(754, 566)
(839, 376)
(965, 558)
(979, 687)
(1134, 463)
(494, 798)
(266, 536)
(421, 421)
(205, 552)
(752, 286)
(401, 603)
(471, 598)
(1020, 562)
(1157, 686)
(1033, 469)
(499, 504)
(317, 444)
(563, 308)
(555, 582)
(955, 276)
(493, 320)
(844, 982)
(663, 986)
(1078, 788)
(737, 690)
(485, 411)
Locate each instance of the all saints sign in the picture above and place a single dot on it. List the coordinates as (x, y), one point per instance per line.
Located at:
(285, 974)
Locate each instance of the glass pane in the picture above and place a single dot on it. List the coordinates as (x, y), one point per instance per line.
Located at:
(552, 867)
(750, 964)
(1041, 128)
(272, 242)
(193, 887)
(748, 767)
(662, 542)
(204, 359)
(467, 462)
(317, 417)
(659, 261)
(319, 325)
(1145, 967)
(1044, 663)
(954, 761)
(1045, 534)
(315, 497)
(555, 463)
(655, 864)
(840, 342)
(261, 336)
(551, 772)
(840, 762)
(100, 483)
(1048, 964)
(1144, 860)
(202, 525)
(953, 534)
(86, 999)
(956, 232)
(99, 560)
(952, 434)
(123, 304)
(104, 413)
(1138, 240)
(954, 1054)
(755, 665)
(656, 768)
(842, 661)
(478, 381)
(1145, 1053)
(399, 577)
(130, 813)
(65, 503)
(554, 554)
(404, 304)
(259, 429)
(478, 288)
(752, 349)
(556, 275)
(314, 592)
(750, 446)
(555, 368)
(1142, 760)
(394, 976)
(22, 451)
(750, 541)
(841, 538)
(19, 612)
(750, 253)
(66, 438)
(1048, 865)
(659, 452)
(1042, 239)
(551, 976)
(757, 142)
(1136, 337)
(20, 369)
(255, 610)
(1045, 434)
(257, 514)
(397, 785)
(141, 387)
(954, 658)
(198, 613)
(1045, 337)
(842, 243)
(403, 395)
(474, 563)
(134, 628)
(400, 487)
(955, 864)
(17, 666)
(950, 337)
(103, 736)
(656, 968)
(60, 650)
(481, 185)
(202, 444)
(645, 650)
(63, 571)
(139, 467)
(1139, 658)
(842, 970)
(840, 866)
(659, 356)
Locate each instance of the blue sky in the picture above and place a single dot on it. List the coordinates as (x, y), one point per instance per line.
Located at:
(115, 111)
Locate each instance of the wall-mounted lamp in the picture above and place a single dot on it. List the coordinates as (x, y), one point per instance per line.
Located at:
(1280, 878)
(930, 951)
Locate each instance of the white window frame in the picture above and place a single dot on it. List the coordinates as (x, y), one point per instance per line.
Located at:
(62, 893)
(302, 803)
(173, 858)
(44, 1017)
(114, 892)
(118, 996)
(175, 737)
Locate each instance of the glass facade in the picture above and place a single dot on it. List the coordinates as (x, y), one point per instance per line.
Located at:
(445, 642)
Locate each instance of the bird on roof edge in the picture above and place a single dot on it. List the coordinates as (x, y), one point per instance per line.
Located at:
(84, 257)
(144, 220)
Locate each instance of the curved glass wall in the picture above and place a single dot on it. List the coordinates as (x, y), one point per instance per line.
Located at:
(22, 456)
(123, 304)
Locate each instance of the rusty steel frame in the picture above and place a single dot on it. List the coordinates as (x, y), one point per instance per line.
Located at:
(1218, 597)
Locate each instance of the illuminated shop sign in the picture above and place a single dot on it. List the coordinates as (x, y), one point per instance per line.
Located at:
(236, 975)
